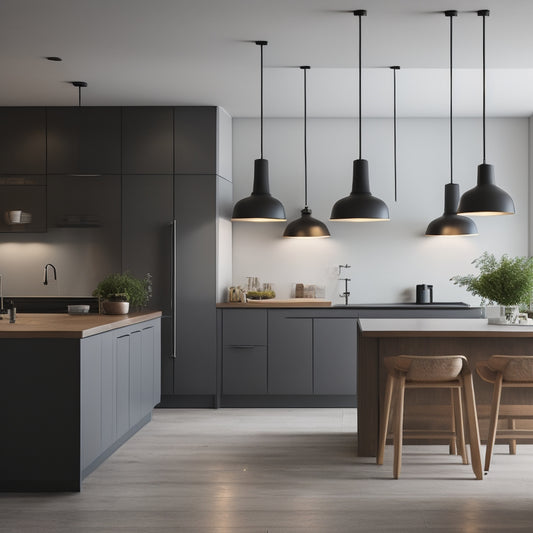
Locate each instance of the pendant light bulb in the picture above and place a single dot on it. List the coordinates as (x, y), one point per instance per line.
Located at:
(450, 224)
(486, 198)
(360, 205)
(260, 206)
(306, 226)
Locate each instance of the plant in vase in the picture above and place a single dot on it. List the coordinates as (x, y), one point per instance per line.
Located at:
(507, 282)
(120, 292)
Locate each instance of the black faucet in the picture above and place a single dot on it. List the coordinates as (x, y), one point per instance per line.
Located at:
(45, 281)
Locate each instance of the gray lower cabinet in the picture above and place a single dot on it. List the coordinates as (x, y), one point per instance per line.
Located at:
(244, 352)
(120, 385)
(335, 362)
(288, 353)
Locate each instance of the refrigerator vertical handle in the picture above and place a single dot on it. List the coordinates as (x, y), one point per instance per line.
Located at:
(174, 288)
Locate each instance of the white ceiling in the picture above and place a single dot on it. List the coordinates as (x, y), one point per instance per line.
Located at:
(201, 52)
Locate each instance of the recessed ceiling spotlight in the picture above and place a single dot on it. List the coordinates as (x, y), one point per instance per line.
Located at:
(53, 58)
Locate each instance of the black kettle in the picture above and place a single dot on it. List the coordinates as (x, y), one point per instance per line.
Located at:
(424, 294)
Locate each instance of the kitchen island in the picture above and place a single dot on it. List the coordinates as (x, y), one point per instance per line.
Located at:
(73, 389)
(473, 338)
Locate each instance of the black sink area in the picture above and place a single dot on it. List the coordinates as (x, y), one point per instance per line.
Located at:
(407, 305)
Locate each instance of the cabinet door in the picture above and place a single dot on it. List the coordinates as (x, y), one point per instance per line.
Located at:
(244, 370)
(135, 377)
(91, 399)
(335, 351)
(290, 353)
(23, 140)
(148, 140)
(147, 214)
(147, 370)
(123, 384)
(195, 140)
(195, 207)
(83, 140)
(244, 327)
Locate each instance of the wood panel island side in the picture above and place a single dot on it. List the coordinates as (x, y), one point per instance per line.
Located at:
(73, 389)
(473, 338)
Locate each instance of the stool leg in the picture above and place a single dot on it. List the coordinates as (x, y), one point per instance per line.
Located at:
(460, 425)
(473, 425)
(493, 424)
(512, 442)
(398, 426)
(453, 440)
(385, 415)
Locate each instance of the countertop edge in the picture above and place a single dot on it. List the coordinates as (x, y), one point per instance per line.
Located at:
(54, 325)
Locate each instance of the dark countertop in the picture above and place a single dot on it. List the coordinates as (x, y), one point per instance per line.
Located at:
(406, 305)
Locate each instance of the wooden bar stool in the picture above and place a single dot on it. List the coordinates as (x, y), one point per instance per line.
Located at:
(418, 372)
(505, 371)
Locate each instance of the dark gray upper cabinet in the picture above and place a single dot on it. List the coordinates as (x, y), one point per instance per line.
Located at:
(148, 140)
(23, 140)
(83, 140)
(195, 140)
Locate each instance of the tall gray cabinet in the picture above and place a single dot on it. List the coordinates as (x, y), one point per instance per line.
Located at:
(176, 209)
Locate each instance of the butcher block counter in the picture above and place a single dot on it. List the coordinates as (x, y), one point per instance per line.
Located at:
(78, 326)
(474, 338)
(73, 389)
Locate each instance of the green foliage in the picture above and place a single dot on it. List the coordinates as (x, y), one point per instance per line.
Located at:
(125, 287)
(507, 281)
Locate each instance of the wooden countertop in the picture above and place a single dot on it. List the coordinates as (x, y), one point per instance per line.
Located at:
(63, 325)
(438, 327)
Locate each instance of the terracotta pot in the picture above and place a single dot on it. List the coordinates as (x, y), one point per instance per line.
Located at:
(115, 308)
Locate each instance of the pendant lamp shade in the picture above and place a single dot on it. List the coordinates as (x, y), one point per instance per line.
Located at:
(260, 206)
(360, 205)
(486, 198)
(451, 224)
(306, 225)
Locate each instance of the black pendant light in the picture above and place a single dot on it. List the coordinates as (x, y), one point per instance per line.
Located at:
(306, 225)
(260, 206)
(360, 205)
(485, 198)
(450, 223)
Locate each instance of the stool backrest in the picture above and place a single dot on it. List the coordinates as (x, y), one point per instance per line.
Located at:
(428, 368)
(513, 367)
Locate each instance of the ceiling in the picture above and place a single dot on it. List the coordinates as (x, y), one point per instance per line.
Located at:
(202, 52)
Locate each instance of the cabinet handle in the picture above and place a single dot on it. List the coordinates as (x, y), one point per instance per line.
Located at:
(242, 346)
(174, 301)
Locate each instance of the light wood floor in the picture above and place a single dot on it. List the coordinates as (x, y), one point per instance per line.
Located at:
(277, 470)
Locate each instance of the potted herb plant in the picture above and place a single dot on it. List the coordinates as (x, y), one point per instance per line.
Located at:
(120, 292)
(507, 282)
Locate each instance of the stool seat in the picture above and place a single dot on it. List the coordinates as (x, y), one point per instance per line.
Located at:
(418, 372)
(505, 371)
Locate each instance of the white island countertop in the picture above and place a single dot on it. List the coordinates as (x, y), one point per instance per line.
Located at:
(439, 327)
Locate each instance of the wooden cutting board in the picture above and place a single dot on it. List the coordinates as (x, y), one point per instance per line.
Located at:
(291, 302)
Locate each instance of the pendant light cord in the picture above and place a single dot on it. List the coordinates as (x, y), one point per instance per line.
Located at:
(305, 132)
(261, 44)
(360, 105)
(451, 14)
(484, 13)
(79, 96)
(394, 69)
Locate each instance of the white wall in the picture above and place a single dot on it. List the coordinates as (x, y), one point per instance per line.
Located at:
(388, 258)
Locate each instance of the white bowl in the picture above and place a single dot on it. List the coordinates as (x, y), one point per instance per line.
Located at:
(78, 309)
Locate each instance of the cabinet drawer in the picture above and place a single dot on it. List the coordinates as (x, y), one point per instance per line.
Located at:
(244, 327)
(244, 370)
